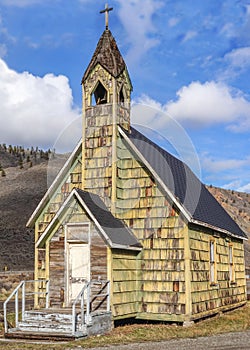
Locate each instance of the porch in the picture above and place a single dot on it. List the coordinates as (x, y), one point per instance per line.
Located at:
(88, 315)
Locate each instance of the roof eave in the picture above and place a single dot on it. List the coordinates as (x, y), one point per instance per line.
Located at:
(126, 247)
(218, 229)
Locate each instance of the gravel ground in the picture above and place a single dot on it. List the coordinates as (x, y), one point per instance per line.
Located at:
(229, 341)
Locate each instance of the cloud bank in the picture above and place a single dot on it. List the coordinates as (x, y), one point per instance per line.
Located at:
(202, 105)
(34, 110)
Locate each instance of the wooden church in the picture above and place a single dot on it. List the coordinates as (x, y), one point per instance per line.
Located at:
(128, 215)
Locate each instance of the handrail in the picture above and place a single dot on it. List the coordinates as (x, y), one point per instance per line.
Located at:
(15, 293)
(80, 296)
(85, 318)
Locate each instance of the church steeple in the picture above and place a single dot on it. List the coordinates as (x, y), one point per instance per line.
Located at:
(107, 55)
(106, 91)
(106, 79)
(108, 73)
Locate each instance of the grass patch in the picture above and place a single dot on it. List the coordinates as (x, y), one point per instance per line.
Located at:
(233, 321)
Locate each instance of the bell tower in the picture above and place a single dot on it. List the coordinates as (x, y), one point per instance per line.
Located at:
(106, 91)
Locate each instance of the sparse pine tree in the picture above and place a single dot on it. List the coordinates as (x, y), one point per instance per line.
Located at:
(10, 149)
(3, 173)
(21, 163)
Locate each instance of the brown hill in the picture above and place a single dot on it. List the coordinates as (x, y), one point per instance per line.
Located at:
(21, 189)
(237, 204)
(24, 186)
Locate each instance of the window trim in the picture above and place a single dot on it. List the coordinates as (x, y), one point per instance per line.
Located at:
(212, 263)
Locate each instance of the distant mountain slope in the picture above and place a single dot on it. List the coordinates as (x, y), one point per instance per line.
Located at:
(237, 204)
(20, 191)
(24, 186)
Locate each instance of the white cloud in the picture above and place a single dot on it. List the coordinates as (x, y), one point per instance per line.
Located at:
(34, 110)
(3, 50)
(136, 17)
(209, 103)
(189, 35)
(219, 166)
(237, 186)
(239, 57)
(244, 188)
(5, 38)
(205, 104)
(173, 21)
(200, 105)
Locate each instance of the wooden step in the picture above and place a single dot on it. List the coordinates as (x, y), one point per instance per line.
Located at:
(31, 335)
(37, 326)
(48, 315)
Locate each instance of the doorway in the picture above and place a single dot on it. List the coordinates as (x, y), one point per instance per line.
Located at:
(78, 260)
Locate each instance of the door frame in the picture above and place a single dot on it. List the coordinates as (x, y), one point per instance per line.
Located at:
(68, 243)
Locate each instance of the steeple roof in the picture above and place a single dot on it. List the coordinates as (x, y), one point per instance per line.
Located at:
(107, 55)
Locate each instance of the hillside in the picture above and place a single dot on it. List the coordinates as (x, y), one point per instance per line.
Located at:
(21, 189)
(25, 184)
(237, 204)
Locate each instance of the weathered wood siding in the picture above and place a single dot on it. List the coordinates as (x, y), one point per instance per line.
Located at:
(208, 296)
(57, 270)
(98, 255)
(71, 180)
(125, 271)
(98, 152)
(55, 267)
(160, 229)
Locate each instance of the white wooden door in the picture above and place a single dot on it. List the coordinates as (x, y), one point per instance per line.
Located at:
(78, 268)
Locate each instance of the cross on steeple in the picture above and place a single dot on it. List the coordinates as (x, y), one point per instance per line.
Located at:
(106, 11)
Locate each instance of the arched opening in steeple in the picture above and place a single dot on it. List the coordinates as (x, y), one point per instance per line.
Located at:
(99, 95)
(121, 96)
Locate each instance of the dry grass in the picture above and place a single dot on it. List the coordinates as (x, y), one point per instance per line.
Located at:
(234, 321)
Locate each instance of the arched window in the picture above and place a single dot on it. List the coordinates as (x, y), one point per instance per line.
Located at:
(121, 96)
(100, 95)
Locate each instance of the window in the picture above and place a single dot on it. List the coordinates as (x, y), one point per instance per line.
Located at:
(100, 95)
(212, 262)
(231, 264)
(121, 96)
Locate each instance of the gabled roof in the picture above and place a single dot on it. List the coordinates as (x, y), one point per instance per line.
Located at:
(113, 230)
(181, 184)
(107, 55)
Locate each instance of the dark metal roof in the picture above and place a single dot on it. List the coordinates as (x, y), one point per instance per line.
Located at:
(107, 55)
(184, 185)
(115, 229)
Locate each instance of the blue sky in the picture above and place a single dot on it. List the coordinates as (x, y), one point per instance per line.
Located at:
(189, 61)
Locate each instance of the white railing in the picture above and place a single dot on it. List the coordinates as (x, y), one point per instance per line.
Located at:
(20, 294)
(86, 299)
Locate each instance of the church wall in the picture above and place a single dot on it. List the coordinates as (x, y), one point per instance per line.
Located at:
(57, 269)
(221, 292)
(98, 152)
(52, 260)
(160, 229)
(125, 287)
(71, 180)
